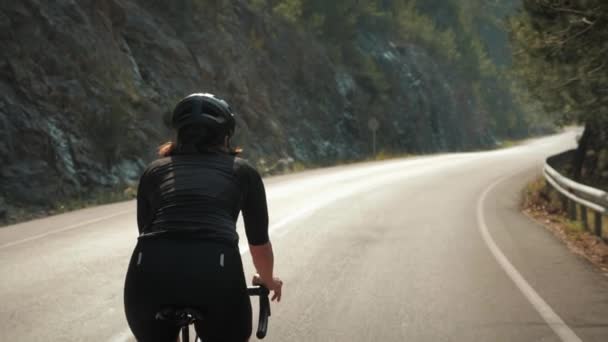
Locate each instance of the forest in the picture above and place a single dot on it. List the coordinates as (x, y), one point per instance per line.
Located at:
(470, 37)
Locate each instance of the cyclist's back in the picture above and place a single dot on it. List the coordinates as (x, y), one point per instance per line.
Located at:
(199, 196)
(187, 254)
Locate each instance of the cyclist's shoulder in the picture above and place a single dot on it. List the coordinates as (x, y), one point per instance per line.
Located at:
(244, 167)
(162, 161)
(157, 164)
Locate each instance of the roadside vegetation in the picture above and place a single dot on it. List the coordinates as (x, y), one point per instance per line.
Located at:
(546, 206)
(288, 165)
(468, 37)
(508, 143)
(560, 58)
(95, 198)
(560, 55)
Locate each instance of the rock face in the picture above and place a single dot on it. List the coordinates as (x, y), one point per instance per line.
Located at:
(85, 87)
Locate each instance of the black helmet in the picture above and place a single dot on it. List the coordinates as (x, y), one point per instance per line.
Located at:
(206, 109)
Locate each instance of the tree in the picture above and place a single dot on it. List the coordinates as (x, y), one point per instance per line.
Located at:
(562, 57)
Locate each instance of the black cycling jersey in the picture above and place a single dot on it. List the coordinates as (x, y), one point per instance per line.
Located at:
(199, 196)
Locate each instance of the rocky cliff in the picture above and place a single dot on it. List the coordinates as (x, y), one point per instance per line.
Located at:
(86, 86)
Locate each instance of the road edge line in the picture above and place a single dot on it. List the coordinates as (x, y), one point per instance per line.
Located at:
(65, 229)
(555, 322)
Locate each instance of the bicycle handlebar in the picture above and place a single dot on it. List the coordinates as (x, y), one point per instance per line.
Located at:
(263, 293)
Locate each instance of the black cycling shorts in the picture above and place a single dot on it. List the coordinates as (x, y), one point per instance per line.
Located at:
(207, 276)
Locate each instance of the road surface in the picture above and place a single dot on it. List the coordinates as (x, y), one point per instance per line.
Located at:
(420, 249)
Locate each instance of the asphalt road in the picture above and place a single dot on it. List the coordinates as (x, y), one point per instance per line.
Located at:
(420, 249)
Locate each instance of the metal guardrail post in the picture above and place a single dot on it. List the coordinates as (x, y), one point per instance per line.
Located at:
(564, 202)
(598, 224)
(584, 217)
(572, 210)
(578, 194)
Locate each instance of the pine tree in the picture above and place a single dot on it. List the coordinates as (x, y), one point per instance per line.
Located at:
(562, 49)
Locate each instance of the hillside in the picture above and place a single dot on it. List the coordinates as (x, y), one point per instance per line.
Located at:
(86, 86)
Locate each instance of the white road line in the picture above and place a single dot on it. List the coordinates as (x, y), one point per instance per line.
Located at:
(64, 229)
(553, 320)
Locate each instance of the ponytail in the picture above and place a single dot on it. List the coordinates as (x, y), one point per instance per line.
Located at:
(166, 149)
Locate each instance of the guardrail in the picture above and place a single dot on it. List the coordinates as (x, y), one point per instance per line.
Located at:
(578, 194)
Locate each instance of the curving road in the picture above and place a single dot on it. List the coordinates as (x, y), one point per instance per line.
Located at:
(421, 249)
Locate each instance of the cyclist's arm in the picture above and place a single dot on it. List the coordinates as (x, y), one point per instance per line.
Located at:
(144, 206)
(263, 260)
(255, 216)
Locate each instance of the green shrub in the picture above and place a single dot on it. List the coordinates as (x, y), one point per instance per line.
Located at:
(291, 10)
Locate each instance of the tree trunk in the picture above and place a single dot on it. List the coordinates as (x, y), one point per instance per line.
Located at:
(581, 151)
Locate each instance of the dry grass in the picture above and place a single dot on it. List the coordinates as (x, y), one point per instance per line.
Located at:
(539, 196)
(298, 166)
(94, 199)
(510, 143)
(384, 155)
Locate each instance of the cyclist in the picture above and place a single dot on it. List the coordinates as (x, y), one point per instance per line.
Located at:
(187, 252)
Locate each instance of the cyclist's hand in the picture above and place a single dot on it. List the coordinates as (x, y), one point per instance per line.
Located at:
(276, 285)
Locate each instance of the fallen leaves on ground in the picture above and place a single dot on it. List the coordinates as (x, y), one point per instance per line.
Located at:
(583, 243)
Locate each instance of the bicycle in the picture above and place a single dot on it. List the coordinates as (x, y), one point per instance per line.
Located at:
(184, 317)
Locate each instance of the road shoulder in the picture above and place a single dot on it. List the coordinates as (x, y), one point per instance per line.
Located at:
(572, 286)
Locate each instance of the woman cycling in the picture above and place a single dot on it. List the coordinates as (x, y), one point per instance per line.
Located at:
(187, 253)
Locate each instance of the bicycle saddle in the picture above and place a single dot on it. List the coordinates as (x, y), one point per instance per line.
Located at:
(182, 316)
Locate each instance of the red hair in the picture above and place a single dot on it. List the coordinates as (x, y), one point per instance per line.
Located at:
(168, 149)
